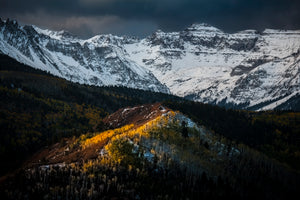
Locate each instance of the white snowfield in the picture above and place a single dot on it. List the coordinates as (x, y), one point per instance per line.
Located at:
(259, 70)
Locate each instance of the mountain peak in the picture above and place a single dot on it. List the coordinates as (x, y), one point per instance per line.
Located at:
(11, 24)
(58, 35)
(203, 27)
(201, 63)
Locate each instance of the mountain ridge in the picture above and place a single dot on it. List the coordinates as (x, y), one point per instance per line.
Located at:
(246, 70)
(90, 142)
(148, 156)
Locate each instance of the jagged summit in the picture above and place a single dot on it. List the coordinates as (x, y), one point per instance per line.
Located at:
(96, 61)
(247, 69)
(58, 35)
(202, 27)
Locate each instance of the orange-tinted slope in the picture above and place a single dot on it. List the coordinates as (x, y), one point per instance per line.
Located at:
(62, 153)
(138, 115)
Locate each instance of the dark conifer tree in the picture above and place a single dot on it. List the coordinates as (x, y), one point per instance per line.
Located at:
(184, 130)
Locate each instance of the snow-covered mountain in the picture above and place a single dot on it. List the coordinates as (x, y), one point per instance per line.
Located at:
(98, 61)
(248, 69)
(208, 65)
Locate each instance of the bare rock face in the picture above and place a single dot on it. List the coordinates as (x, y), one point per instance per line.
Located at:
(248, 69)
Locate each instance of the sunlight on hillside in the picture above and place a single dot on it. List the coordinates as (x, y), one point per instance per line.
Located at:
(104, 136)
(130, 159)
(160, 141)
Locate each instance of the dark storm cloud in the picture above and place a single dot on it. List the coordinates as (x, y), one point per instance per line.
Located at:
(141, 17)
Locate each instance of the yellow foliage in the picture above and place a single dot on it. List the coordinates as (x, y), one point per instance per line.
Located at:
(87, 166)
(104, 136)
(131, 134)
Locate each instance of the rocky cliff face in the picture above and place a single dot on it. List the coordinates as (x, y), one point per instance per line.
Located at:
(248, 69)
(97, 61)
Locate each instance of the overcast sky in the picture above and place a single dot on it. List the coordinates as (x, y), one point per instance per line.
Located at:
(86, 18)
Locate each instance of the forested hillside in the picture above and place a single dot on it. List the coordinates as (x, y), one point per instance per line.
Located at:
(38, 109)
(157, 153)
(275, 133)
(64, 140)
